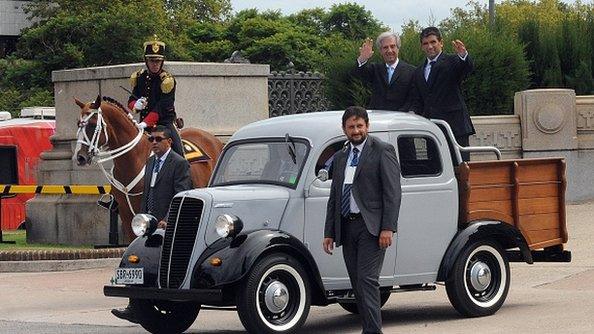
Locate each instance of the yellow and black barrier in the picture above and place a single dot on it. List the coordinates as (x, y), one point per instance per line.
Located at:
(54, 189)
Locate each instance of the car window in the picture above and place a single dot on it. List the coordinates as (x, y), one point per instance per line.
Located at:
(419, 156)
(326, 158)
(261, 162)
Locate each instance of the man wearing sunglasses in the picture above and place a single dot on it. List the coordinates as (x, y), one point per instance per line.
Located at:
(166, 173)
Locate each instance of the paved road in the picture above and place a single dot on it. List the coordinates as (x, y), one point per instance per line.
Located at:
(543, 298)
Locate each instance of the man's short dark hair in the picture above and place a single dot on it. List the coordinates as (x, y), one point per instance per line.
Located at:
(430, 31)
(358, 112)
(164, 129)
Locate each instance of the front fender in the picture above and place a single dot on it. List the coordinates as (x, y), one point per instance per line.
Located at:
(239, 255)
(148, 250)
(505, 234)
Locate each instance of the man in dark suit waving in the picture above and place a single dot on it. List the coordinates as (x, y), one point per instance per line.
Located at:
(438, 81)
(363, 211)
(166, 173)
(391, 81)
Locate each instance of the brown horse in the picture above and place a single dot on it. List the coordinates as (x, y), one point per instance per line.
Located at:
(108, 132)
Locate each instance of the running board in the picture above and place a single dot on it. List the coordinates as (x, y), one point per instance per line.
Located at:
(414, 287)
(348, 297)
(218, 308)
(541, 256)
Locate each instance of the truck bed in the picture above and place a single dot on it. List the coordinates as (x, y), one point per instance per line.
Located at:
(526, 193)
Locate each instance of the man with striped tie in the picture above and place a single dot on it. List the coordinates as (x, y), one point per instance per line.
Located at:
(362, 211)
(166, 173)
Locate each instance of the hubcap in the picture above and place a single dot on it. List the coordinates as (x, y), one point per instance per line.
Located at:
(276, 297)
(480, 276)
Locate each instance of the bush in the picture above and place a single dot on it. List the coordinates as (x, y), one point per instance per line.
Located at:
(10, 100)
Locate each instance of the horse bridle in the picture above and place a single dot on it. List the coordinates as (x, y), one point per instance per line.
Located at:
(92, 143)
(100, 156)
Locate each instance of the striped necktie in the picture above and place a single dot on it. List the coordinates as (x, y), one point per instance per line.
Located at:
(150, 199)
(345, 204)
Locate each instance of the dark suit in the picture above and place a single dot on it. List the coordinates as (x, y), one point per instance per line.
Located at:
(173, 177)
(376, 191)
(441, 96)
(395, 95)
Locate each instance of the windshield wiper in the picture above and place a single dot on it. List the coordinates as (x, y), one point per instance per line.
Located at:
(291, 147)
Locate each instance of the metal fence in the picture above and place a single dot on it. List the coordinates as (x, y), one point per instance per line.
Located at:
(291, 92)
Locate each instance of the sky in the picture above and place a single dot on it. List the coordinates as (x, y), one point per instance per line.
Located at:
(392, 13)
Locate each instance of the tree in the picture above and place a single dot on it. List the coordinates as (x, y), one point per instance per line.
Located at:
(311, 19)
(198, 10)
(352, 21)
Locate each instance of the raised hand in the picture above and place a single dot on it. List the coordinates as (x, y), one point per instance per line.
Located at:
(366, 50)
(459, 47)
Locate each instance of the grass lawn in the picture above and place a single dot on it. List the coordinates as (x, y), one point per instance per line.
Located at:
(20, 236)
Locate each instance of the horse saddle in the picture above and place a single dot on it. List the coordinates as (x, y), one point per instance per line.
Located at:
(193, 153)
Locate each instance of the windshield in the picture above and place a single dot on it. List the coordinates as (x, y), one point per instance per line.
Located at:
(262, 162)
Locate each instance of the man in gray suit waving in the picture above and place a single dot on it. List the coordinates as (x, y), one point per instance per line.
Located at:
(363, 211)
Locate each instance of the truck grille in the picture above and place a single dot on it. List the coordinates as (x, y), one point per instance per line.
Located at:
(180, 235)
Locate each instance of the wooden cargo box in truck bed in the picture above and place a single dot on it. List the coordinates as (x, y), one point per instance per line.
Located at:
(526, 193)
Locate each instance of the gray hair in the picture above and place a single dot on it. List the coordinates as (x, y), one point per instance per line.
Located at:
(384, 35)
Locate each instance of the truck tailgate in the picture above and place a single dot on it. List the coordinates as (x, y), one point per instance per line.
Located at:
(526, 193)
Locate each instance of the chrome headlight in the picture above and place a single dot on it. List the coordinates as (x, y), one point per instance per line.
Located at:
(144, 224)
(228, 225)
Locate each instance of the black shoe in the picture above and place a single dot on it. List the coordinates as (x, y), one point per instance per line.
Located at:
(125, 313)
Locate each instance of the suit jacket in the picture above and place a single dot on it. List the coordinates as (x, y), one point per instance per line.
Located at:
(173, 177)
(393, 95)
(376, 189)
(441, 97)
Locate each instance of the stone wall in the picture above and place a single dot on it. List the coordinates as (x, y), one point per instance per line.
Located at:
(547, 123)
(219, 98)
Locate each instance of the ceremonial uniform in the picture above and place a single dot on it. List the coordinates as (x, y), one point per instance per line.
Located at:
(157, 89)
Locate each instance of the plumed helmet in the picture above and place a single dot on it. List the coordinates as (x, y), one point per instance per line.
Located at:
(154, 49)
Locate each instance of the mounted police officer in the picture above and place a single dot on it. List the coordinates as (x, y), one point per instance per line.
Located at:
(153, 93)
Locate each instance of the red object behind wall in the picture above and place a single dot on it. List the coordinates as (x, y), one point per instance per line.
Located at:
(27, 138)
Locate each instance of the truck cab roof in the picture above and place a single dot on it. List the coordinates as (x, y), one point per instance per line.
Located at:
(318, 127)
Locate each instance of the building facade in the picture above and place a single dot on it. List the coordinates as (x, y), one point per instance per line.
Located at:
(12, 20)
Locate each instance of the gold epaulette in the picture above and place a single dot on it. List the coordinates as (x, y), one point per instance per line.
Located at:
(134, 78)
(167, 82)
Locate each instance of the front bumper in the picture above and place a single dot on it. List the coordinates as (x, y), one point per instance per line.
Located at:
(203, 296)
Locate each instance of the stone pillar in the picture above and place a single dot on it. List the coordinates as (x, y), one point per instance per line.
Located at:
(501, 131)
(219, 98)
(549, 129)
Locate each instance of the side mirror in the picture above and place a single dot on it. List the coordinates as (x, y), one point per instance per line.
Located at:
(323, 175)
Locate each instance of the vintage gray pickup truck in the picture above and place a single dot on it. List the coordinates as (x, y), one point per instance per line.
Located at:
(252, 238)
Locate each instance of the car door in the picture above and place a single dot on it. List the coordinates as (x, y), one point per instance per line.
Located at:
(429, 208)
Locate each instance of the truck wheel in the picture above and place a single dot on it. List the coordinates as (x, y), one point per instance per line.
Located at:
(275, 296)
(479, 280)
(352, 307)
(158, 316)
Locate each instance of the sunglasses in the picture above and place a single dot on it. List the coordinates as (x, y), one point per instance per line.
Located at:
(156, 138)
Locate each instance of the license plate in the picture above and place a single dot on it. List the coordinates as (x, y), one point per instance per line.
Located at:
(129, 276)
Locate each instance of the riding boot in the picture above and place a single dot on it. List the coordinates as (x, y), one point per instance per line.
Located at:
(176, 145)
